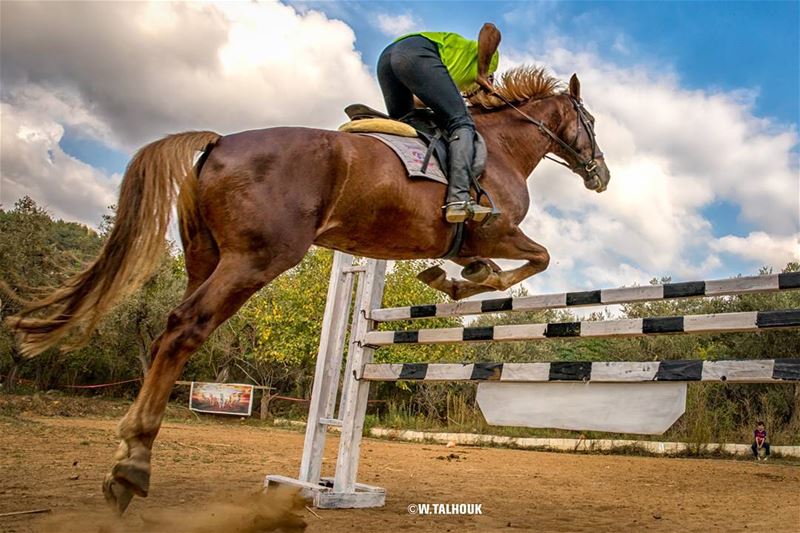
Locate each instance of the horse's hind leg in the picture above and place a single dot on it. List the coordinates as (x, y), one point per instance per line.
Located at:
(515, 246)
(234, 280)
(201, 256)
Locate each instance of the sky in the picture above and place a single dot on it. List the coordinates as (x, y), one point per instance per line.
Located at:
(697, 107)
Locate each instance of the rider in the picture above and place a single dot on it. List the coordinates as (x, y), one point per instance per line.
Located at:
(436, 67)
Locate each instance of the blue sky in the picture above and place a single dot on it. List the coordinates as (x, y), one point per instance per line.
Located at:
(698, 107)
(729, 45)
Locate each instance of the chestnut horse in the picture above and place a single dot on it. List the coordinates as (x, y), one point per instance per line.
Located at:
(261, 198)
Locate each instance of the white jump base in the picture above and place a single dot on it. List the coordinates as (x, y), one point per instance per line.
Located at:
(322, 495)
(567, 384)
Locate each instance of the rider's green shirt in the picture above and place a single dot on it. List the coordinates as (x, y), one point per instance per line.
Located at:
(459, 55)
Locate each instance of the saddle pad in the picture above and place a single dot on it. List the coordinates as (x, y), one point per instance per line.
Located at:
(412, 152)
(378, 125)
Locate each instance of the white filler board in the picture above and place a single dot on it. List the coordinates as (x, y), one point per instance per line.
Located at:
(646, 408)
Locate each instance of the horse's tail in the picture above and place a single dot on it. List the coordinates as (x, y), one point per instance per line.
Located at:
(155, 176)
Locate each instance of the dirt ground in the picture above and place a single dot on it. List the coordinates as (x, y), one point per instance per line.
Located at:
(58, 463)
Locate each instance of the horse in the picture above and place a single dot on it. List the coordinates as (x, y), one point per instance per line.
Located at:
(256, 201)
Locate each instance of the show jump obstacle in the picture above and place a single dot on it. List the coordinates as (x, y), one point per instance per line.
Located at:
(626, 397)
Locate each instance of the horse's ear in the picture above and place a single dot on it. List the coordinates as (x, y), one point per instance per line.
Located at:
(575, 87)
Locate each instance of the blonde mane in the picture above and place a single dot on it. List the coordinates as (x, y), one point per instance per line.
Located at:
(520, 84)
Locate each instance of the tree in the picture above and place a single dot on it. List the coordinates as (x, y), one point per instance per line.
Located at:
(35, 252)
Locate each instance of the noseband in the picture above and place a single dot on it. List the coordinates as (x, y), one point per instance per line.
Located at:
(590, 166)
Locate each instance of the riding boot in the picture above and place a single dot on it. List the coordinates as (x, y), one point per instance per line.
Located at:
(459, 205)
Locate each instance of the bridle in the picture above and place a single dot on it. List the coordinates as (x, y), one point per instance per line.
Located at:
(590, 166)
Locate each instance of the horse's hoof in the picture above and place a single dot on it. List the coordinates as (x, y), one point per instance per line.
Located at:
(117, 495)
(476, 272)
(133, 477)
(432, 276)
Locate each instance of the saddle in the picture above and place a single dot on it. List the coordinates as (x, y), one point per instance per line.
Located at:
(420, 123)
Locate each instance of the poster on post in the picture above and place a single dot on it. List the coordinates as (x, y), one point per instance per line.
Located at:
(221, 398)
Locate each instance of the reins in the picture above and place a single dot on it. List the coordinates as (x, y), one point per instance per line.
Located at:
(589, 165)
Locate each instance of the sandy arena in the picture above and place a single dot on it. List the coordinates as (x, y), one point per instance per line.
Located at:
(59, 463)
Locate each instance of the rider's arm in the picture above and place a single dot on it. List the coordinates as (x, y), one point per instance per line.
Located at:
(488, 41)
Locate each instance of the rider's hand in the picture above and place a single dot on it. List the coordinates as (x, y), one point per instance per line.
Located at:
(486, 83)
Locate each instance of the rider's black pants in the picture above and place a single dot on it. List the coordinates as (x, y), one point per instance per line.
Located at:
(413, 67)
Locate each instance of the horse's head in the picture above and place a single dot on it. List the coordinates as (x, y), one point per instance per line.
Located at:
(572, 139)
(576, 142)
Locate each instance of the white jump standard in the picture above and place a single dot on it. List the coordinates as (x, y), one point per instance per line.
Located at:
(630, 397)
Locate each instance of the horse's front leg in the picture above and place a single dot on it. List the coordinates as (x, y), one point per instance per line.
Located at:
(436, 278)
(483, 275)
(514, 245)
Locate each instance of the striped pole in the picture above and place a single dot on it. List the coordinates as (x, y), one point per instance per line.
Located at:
(629, 327)
(735, 371)
(668, 291)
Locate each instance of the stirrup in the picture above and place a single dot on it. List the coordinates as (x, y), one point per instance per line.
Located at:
(480, 212)
(457, 212)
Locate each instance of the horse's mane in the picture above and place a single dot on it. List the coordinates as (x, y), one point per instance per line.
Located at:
(520, 84)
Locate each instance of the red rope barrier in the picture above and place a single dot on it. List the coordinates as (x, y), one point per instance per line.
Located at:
(305, 400)
(289, 399)
(101, 385)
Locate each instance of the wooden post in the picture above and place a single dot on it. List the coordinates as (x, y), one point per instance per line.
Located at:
(348, 369)
(264, 404)
(328, 368)
(356, 392)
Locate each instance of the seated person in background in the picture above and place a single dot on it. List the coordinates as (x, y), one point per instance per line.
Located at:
(760, 441)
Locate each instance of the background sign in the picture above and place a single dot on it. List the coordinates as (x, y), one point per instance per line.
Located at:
(221, 398)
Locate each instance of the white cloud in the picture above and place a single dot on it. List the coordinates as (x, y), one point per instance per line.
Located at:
(760, 247)
(397, 25)
(146, 69)
(533, 12)
(33, 164)
(62, 105)
(127, 73)
(621, 44)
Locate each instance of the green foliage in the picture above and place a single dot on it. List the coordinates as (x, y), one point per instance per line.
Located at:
(273, 339)
(288, 312)
(35, 252)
